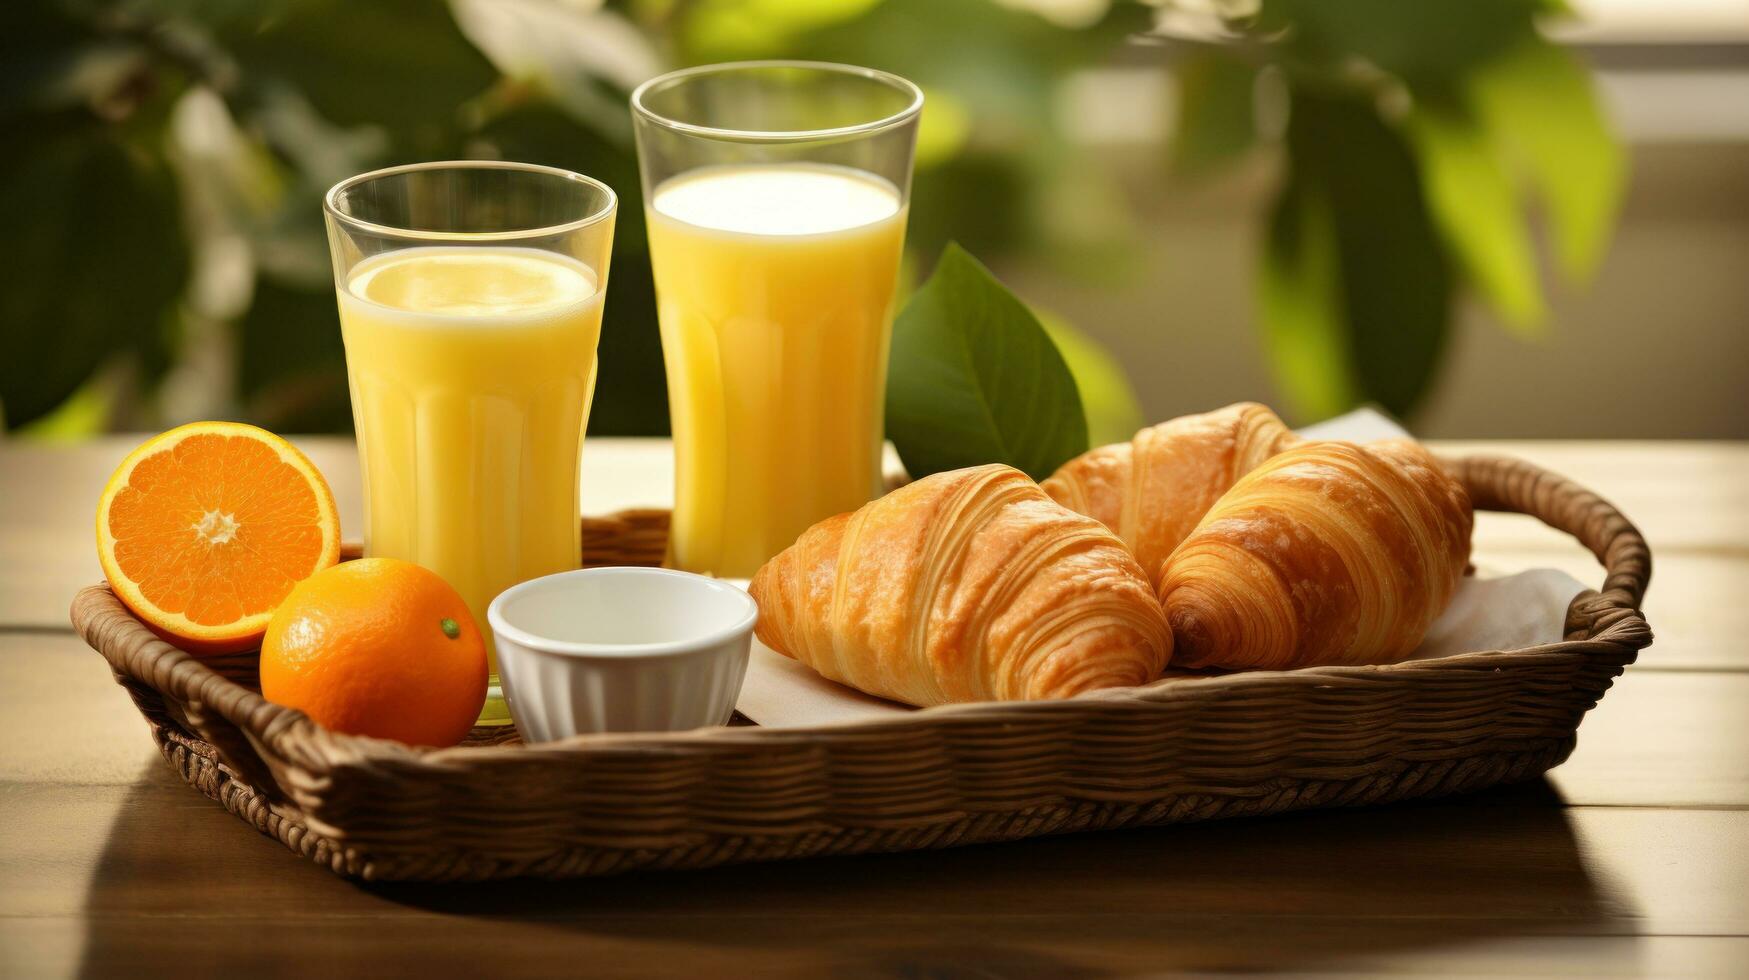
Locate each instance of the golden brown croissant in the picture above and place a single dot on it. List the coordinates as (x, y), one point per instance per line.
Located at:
(968, 585)
(1153, 489)
(1328, 553)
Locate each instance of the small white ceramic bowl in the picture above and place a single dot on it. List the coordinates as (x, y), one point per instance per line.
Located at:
(621, 650)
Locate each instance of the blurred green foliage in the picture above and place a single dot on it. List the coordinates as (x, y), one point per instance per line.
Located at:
(1418, 139)
(165, 204)
(166, 160)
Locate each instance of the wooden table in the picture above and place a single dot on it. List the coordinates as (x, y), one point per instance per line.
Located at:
(1633, 858)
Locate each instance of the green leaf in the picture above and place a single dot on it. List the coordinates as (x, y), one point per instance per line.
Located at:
(978, 198)
(1352, 215)
(94, 258)
(1539, 101)
(1113, 411)
(1474, 202)
(402, 65)
(1215, 112)
(975, 378)
(1300, 302)
(291, 363)
(1006, 64)
(631, 390)
(80, 417)
(1421, 39)
(943, 130)
(56, 60)
(733, 30)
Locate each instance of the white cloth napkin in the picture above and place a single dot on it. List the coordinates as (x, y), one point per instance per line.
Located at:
(1489, 612)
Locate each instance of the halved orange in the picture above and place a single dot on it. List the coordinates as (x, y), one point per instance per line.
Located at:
(204, 530)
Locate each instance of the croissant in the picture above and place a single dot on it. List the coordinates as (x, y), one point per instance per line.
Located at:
(1328, 553)
(1152, 490)
(968, 585)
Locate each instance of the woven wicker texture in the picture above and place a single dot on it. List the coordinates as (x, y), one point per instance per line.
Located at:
(1235, 745)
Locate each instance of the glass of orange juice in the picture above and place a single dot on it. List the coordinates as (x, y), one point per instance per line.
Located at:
(775, 195)
(470, 300)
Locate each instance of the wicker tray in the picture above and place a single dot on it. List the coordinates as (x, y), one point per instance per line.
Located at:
(1229, 746)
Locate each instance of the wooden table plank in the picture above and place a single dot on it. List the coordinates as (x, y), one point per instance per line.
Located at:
(1415, 880)
(1696, 603)
(517, 948)
(1663, 739)
(1692, 499)
(494, 946)
(1681, 494)
(72, 723)
(1509, 855)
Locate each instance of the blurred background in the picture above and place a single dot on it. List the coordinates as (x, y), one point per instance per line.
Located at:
(1492, 217)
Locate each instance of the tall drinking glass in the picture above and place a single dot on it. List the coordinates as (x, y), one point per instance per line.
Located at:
(776, 195)
(470, 302)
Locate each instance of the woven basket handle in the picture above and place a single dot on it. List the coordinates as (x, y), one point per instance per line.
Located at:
(1512, 485)
(219, 710)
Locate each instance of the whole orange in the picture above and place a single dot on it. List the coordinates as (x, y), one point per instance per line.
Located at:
(377, 647)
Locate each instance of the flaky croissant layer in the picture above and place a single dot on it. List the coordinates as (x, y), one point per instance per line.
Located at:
(1328, 553)
(1152, 490)
(968, 585)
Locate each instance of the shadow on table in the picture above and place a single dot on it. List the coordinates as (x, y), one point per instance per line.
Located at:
(1305, 890)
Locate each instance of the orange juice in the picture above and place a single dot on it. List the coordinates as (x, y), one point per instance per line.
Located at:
(472, 370)
(775, 291)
